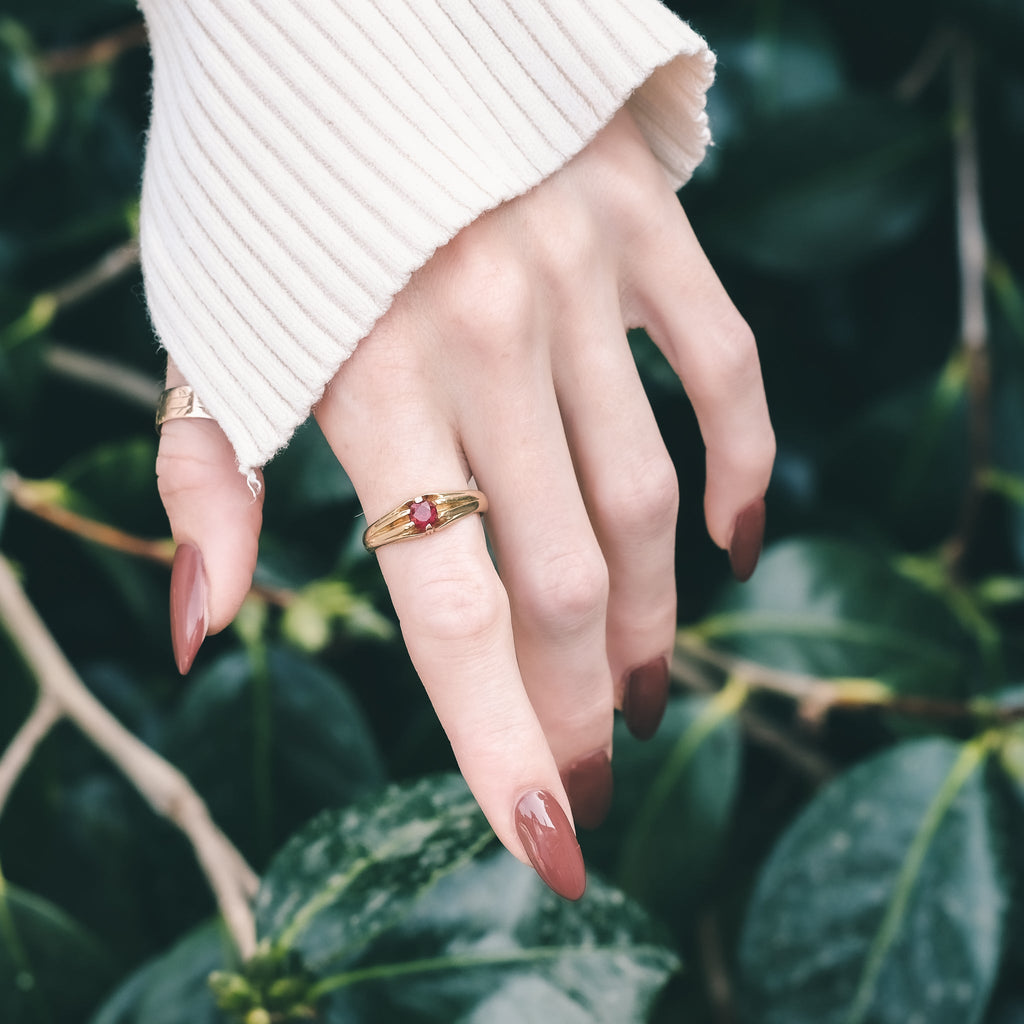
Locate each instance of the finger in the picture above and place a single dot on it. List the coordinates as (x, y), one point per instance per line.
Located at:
(631, 492)
(691, 318)
(215, 521)
(550, 562)
(395, 443)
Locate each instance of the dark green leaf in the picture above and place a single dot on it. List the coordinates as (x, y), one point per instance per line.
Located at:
(351, 874)
(491, 943)
(835, 609)
(269, 750)
(820, 190)
(26, 98)
(173, 988)
(792, 66)
(673, 798)
(884, 901)
(51, 969)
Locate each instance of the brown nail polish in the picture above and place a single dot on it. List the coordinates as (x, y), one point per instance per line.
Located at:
(550, 843)
(188, 605)
(747, 538)
(645, 697)
(588, 784)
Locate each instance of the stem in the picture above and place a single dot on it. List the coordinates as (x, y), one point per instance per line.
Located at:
(45, 715)
(98, 51)
(166, 790)
(44, 308)
(105, 375)
(35, 498)
(972, 251)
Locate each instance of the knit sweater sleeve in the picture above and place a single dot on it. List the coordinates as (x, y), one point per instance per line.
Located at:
(305, 157)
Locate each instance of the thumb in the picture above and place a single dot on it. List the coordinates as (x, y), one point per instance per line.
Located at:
(215, 521)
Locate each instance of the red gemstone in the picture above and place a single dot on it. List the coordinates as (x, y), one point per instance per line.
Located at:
(422, 514)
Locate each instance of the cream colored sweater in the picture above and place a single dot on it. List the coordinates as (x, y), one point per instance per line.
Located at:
(306, 156)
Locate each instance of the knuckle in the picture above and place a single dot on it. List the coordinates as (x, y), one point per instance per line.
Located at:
(488, 295)
(653, 505)
(456, 610)
(567, 593)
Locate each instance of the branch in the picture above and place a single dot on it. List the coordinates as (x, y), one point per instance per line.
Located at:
(38, 498)
(816, 697)
(45, 715)
(972, 251)
(97, 51)
(105, 375)
(687, 670)
(166, 790)
(45, 306)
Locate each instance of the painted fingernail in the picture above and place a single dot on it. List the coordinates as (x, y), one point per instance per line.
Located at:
(550, 843)
(188, 605)
(747, 538)
(645, 697)
(588, 784)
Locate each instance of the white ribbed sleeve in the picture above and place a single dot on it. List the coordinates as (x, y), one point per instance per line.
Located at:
(306, 156)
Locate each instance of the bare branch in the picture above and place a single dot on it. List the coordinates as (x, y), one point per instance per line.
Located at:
(105, 375)
(164, 787)
(973, 255)
(46, 305)
(45, 715)
(36, 498)
(98, 51)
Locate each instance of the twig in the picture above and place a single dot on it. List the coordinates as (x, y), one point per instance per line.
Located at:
(927, 64)
(36, 498)
(46, 305)
(716, 974)
(972, 251)
(816, 697)
(32, 497)
(45, 715)
(97, 51)
(164, 787)
(762, 731)
(104, 375)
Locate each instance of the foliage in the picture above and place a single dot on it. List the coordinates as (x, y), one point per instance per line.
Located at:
(826, 828)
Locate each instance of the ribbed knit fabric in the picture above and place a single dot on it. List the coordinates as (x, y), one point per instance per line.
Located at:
(306, 156)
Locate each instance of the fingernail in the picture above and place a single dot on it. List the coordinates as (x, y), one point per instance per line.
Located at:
(188, 605)
(588, 784)
(645, 697)
(550, 843)
(747, 538)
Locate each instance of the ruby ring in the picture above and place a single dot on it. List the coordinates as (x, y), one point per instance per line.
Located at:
(424, 514)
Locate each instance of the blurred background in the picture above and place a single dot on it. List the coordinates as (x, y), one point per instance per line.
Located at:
(863, 206)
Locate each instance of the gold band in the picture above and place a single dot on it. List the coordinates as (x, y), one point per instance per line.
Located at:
(424, 514)
(177, 404)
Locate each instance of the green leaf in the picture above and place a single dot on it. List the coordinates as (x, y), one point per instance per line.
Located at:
(834, 609)
(351, 874)
(673, 798)
(818, 191)
(884, 901)
(269, 750)
(791, 66)
(27, 104)
(490, 943)
(172, 988)
(51, 969)
(307, 473)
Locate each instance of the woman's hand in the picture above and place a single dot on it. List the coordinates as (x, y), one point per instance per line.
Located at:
(503, 365)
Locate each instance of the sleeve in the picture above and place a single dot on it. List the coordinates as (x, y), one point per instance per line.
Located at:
(305, 157)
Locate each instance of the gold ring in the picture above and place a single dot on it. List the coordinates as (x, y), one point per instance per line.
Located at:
(179, 403)
(425, 514)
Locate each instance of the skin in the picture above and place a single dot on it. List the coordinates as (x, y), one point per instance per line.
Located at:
(504, 362)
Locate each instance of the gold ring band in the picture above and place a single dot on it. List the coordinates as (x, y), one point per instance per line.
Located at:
(425, 514)
(177, 404)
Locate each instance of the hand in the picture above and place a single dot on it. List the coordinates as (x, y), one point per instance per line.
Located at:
(503, 365)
